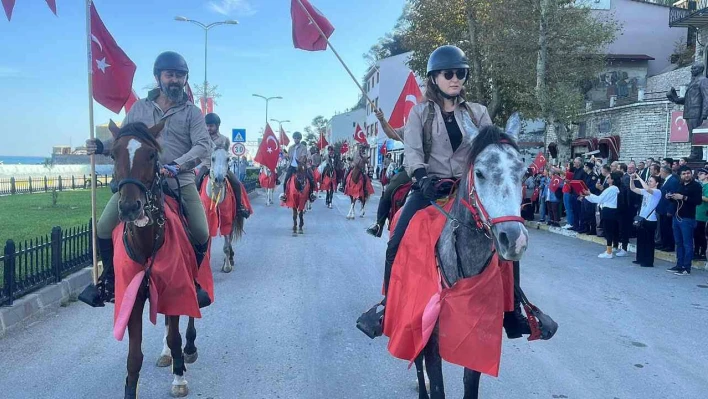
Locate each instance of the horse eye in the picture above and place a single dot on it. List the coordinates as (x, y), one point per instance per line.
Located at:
(152, 156)
(479, 174)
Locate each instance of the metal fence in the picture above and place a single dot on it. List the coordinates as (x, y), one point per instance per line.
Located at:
(30, 265)
(26, 185)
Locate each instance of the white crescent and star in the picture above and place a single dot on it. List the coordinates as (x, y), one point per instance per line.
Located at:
(676, 122)
(100, 64)
(270, 150)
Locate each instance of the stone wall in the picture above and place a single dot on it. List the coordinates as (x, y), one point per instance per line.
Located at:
(658, 85)
(643, 129)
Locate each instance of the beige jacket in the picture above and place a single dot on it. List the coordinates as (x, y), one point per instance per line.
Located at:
(443, 162)
(299, 151)
(184, 140)
(218, 142)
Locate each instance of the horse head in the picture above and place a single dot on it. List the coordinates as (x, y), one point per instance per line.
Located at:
(493, 186)
(135, 153)
(217, 173)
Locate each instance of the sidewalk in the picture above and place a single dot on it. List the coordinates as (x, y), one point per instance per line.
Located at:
(665, 256)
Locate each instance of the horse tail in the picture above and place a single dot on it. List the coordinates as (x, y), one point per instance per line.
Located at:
(239, 222)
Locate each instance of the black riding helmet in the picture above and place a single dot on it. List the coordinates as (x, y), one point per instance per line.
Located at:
(169, 60)
(447, 57)
(212, 119)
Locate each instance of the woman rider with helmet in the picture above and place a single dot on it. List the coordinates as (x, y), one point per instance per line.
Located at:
(437, 144)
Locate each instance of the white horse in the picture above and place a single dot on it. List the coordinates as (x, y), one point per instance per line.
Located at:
(215, 185)
(269, 191)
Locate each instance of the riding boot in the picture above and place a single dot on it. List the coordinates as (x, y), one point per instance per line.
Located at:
(371, 321)
(236, 188)
(515, 323)
(104, 291)
(375, 229)
(202, 296)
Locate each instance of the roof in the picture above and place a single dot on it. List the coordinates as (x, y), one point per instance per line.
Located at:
(630, 57)
(652, 3)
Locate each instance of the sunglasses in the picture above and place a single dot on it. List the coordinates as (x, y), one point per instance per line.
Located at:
(460, 73)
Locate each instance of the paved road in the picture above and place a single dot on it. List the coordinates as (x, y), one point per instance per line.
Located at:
(283, 327)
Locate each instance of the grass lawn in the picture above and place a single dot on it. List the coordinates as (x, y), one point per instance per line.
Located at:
(27, 216)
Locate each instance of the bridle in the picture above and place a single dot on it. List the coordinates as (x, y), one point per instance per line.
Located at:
(482, 220)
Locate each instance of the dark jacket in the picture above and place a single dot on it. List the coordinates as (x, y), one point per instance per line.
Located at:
(590, 181)
(671, 185)
(693, 192)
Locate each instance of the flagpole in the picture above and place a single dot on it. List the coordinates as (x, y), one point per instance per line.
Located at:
(373, 105)
(91, 136)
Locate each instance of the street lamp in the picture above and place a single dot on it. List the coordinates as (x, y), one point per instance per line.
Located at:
(267, 99)
(280, 125)
(206, 36)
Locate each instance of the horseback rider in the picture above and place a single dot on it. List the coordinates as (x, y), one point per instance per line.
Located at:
(437, 142)
(218, 140)
(184, 142)
(297, 153)
(315, 157)
(396, 181)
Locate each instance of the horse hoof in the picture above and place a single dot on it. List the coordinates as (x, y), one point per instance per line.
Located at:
(300, 231)
(179, 391)
(190, 358)
(164, 361)
(227, 268)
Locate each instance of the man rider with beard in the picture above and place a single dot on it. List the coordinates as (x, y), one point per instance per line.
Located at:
(184, 141)
(218, 140)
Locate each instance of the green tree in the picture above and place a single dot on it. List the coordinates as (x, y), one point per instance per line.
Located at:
(49, 165)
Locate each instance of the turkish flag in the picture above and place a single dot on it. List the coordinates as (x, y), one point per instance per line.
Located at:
(190, 95)
(383, 149)
(8, 5)
(268, 151)
(344, 149)
(210, 105)
(305, 33)
(555, 183)
(359, 135)
(538, 164)
(131, 100)
(52, 6)
(284, 140)
(111, 70)
(410, 96)
(322, 142)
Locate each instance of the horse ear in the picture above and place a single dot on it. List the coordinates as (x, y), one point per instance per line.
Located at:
(113, 128)
(156, 129)
(513, 125)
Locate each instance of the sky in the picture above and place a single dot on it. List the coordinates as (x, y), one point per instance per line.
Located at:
(43, 63)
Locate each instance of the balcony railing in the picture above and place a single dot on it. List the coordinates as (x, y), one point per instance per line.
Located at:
(689, 13)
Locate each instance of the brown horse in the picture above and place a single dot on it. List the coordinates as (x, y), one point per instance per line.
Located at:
(298, 195)
(328, 175)
(359, 185)
(146, 229)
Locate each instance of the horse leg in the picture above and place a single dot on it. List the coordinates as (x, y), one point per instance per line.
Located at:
(420, 374)
(190, 350)
(135, 342)
(174, 341)
(363, 207)
(294, 220)
(471, 383)
(350, 215)
(302, 223)
(165, 358)
(228, 265)
(433, 364)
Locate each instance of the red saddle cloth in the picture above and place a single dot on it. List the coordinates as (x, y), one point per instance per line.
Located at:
(470, 313)
(266, 181)
(329, 183)
(172, 290)
(296, 199)
(356, 190)
(220, 217)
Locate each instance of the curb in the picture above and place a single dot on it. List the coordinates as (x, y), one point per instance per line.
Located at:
(632, 248)
(49, 299)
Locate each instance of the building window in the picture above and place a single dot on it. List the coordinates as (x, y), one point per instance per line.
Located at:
(377, 76)
(581, 130)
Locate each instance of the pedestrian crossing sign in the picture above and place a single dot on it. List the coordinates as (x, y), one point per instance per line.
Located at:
(238, 135)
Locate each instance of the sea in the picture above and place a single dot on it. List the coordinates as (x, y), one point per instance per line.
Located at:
(14, 160)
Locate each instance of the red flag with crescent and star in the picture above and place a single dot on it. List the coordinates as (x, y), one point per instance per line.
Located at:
(359, 135)
(538, 164)
(344, 149)
(131, 100)
(284, 140)
(322, 142)
(305, 33)
(269, 150)
(9, 5)
(555, 183)
(410, 95)
(679, 128)
(111, 70)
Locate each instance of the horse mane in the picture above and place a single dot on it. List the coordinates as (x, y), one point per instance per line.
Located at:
(139, 130)
(490, 135)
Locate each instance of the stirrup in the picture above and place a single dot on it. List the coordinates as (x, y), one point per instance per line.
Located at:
(374, 230)
(371, 322)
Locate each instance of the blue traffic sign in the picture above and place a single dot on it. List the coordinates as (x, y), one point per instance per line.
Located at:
(238, 135)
